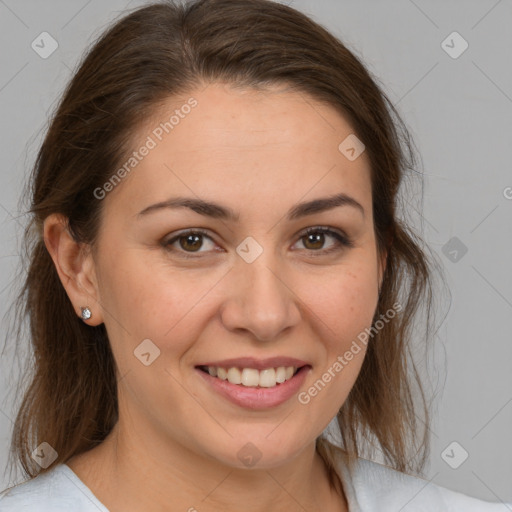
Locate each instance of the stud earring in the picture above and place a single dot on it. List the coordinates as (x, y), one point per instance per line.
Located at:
(86, 313)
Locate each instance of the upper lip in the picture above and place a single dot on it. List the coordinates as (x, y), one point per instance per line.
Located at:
(258, 364)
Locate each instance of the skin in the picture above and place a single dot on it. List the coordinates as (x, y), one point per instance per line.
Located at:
(176, 442)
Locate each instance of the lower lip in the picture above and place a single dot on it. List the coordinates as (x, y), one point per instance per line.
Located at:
(256, 397)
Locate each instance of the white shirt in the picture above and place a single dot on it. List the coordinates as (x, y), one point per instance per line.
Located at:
(372, 487)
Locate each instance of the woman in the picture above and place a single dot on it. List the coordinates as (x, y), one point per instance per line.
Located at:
(217, 272)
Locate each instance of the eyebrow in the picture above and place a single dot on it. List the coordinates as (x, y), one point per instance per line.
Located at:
(217, 211)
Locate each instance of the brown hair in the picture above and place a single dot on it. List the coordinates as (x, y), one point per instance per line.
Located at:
(157, 51)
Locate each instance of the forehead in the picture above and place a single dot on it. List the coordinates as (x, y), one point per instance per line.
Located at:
(240, 143)
(247, 119)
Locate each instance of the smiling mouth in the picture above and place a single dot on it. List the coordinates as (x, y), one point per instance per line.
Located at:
(251, 377)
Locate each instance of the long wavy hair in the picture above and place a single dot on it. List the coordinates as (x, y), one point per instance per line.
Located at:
(69, 397)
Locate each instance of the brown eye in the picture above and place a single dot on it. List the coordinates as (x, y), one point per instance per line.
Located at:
(191, 242)
(314, 241)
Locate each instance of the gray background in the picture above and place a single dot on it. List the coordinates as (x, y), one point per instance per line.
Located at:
(459, 111)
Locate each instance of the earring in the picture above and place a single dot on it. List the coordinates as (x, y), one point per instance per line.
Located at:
(86, 313)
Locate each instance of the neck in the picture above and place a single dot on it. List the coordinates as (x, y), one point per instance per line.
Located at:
(130, 471)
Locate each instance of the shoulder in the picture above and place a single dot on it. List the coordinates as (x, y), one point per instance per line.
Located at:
(58, 490)
(377, 487)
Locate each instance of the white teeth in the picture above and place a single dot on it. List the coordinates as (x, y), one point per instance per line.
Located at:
(268, 378)
(281, 374)
(250, 377)
(234, 376)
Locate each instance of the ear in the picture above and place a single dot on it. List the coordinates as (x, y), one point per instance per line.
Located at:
(75, 265)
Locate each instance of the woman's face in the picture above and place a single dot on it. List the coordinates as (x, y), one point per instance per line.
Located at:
(251, 286)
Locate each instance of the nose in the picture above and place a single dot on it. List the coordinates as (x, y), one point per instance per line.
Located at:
(259, 299)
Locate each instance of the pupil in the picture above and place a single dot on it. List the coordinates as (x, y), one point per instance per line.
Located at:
(316, 239)
(193, 239)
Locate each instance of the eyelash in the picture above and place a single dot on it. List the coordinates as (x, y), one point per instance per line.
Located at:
(342, 241)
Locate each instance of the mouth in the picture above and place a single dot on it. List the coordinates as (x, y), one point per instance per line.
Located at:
(252, 377)
(252, 388)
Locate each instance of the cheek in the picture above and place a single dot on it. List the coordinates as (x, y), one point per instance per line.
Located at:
(147, 298)
(341, 307)
(341, 310)
(344, 301)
